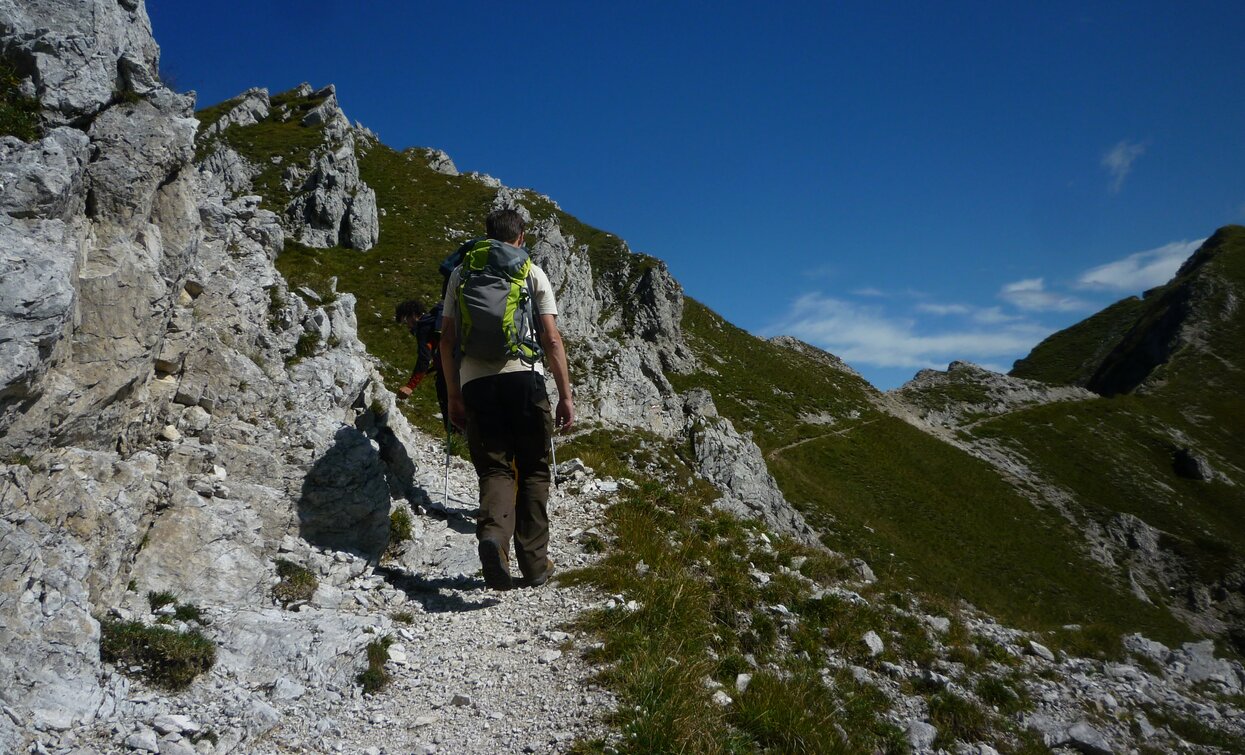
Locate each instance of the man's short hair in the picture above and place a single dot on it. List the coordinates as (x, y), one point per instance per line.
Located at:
(504, 225)
(408, 308)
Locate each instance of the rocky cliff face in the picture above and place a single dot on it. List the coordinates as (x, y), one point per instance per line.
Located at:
(171, 412)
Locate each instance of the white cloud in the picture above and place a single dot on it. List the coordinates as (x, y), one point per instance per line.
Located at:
(872, 292)
(868, 336)
(1031, 295)
(1119, 161)
(945, 309)
(1140, 271)
(994, 316)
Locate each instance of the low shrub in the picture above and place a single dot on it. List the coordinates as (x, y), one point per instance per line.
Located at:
(19, 115)
(164, 657)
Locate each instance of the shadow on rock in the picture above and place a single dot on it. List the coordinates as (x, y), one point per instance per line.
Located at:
(428, 592)
(345, 497)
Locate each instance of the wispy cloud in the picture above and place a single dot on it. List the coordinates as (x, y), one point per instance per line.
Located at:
(944, 309)
(1119, 161)
(1031, 295)
(1140, 271)
(870, 292)
(868, 336)
(994, 316)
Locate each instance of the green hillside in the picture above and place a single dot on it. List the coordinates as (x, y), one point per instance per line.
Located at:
(1071, 356)
(918, 510)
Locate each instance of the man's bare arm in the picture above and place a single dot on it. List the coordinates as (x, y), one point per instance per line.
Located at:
(453, 393)
(551, 340)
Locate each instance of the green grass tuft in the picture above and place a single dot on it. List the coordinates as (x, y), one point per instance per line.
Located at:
(19, 115)
(374, 677)
(162, 656)
(297, 584)
(957, 718)
(399, 527)
(158, 600)
(697, 600)
(1007, 694)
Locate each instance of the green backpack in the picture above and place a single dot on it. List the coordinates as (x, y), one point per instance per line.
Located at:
(496, 315)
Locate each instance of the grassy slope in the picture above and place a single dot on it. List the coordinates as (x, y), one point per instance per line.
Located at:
(918, 509)
(1071, 356)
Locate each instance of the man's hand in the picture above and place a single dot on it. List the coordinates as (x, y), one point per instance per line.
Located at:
(564, 414)
(405, 392)
(458, 412)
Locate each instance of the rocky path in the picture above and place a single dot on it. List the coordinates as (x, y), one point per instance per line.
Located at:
(475, 670)
(472, 670)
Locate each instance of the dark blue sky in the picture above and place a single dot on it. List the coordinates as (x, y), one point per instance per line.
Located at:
(901, 183)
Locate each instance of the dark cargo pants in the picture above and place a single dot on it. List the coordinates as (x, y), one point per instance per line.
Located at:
(509, 424)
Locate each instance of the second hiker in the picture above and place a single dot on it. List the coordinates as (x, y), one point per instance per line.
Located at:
(491, 358)
(426, 327)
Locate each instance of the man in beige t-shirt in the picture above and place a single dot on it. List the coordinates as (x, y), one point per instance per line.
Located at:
(504, 409)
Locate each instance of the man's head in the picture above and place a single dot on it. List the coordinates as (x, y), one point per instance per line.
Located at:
(408, 312)
(505, 225)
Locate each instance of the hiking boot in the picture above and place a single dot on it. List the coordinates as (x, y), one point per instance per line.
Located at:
(542, 578)
(494, 564)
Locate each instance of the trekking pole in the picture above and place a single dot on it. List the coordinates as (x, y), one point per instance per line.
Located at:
(445, 500)
(553, 451)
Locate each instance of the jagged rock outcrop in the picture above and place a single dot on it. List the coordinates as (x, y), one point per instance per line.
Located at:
(736, 466)
(966, 393)
(438, 160)
(329, 204)
(252, 106)
(40, 240)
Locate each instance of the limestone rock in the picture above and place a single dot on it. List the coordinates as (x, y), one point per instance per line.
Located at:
(136, 148)
(39, 261)
(78, 54)
(921, 736)
(226, 171)
(1192, 466)
(439, 161)
(252, 107)
(735, 464)
(44, 179)
(874, 643)
(937, 397)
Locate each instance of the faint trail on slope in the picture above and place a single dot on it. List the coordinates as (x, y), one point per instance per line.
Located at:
(774, 453)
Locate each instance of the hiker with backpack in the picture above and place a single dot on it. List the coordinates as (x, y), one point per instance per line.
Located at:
(499, 317)
(426, 327)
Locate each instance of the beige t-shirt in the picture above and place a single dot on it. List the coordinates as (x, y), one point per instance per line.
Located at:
(471, 368)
